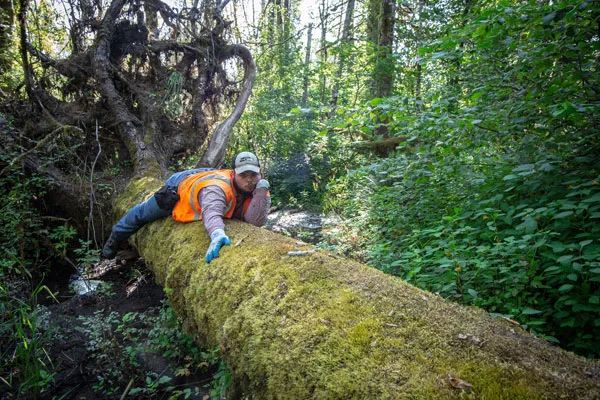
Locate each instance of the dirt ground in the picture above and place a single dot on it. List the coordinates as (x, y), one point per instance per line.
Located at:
(92, 337)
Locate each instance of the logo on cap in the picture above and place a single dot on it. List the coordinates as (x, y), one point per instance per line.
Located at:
(246, 161)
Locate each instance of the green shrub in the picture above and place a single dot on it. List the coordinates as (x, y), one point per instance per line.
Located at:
(523, 242)
(530, 250)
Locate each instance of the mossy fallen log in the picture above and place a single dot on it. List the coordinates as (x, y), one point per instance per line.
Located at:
(323, 327)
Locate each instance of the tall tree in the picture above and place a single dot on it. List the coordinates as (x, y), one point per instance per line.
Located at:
(381, 18)
(323, 22)
(307, 66)
(6, 27)
(345, 40)
(381, 36)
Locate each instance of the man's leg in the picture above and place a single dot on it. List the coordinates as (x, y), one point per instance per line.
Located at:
(137, 216)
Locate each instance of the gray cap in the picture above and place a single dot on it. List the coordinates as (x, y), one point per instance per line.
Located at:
(246, 161)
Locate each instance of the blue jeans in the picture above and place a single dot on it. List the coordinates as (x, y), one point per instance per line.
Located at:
(148, 211)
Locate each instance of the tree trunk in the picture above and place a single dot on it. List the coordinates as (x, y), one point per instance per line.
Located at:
(270, 17)
(286, 28)
(454, 81)
(321, 326)
(345, 39)
(323, 17)
(381, 36)
(419, 69)
(307, 66)
(23, 8)
(7, 22)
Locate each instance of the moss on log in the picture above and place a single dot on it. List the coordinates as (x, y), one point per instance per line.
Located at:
(323, 327)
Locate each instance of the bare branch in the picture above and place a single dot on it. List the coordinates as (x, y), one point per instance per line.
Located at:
(218, 142)
(73, 67)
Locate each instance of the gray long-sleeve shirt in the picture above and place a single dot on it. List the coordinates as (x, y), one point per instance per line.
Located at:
(213, 202)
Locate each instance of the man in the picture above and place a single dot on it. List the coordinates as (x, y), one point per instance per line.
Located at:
(202, 194)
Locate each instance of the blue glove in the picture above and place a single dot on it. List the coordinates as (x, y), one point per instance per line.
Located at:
(217, 239)
(263, 184)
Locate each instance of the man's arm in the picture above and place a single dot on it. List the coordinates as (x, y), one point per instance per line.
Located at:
(257, 211)
(213, 202)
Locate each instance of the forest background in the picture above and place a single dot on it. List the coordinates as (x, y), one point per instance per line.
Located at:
(457, 140)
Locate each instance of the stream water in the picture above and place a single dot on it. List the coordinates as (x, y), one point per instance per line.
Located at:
(301, 224)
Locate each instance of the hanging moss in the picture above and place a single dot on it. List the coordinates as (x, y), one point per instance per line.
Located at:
(324, 327)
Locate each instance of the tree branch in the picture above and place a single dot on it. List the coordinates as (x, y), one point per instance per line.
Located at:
(218, 142)
(27, 71)
(73, 67)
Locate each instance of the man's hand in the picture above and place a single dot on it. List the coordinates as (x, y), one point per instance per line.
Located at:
(217, 239)
(263, 184)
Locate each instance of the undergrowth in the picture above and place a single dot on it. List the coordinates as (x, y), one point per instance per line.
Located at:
(25, 254)
(524, 243)
(118, 344)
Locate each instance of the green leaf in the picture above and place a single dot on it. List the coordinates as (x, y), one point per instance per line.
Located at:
(529, 225)
(523, 167)
(594, 300)
(591, 252)
(510, 177)
(530, 311)
(565, 288)
(536, 322)
(563, 214)
(472, 292)
(474, 97)
(572, 277)
(548, 18)
(593, 199)
(586, 307)
(564, 260)
(557, 247)
(552, 269)
(439, 54)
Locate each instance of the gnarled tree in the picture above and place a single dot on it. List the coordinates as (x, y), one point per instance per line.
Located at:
(143, 82)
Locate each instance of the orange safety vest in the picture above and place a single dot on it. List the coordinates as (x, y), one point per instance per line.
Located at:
(188, 208)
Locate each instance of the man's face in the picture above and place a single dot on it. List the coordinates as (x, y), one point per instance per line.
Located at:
(246, 181)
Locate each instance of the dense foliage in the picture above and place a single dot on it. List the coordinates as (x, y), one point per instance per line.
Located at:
(497, 203)
(492, 196)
